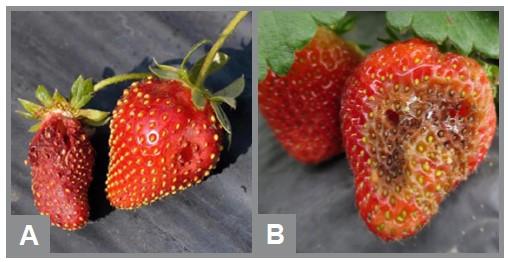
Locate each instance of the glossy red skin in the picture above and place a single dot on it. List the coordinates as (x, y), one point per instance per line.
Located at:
(448, 89)
(61, 158)
(301, 107)
(160, 143)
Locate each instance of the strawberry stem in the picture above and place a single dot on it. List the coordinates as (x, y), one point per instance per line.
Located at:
(228, 30)
(117, 79)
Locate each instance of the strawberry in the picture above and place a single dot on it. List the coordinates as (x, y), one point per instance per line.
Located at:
(301, 107)
(167, 131)
(60, 154)
(415, 123)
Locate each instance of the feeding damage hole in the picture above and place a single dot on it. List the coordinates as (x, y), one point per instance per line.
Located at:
(392, 117)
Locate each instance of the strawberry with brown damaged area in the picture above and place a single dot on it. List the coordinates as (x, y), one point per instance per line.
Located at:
(61, 157)
(301, 107)
(167, 131)
(60, 154)
(416, 123)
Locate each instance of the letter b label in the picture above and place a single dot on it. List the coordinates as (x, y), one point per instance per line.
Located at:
(274, 234)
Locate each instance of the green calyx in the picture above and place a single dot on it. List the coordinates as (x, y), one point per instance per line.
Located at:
(82, 92)
(194, 77)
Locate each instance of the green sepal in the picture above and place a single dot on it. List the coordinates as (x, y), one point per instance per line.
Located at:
(234, 89)
(58, 98)
(96, 123)
(492, 72)
(26, 115)
(198, 98)
(34, 128)
(223, 120)
(391, 36)
(230, 92)
(161, 73)
(165, 67)
(221, 116)
(219, 61)
(42, 94)
(30, 107)
(344, 25)
(81, 92)
(224, 99)
(93, 117)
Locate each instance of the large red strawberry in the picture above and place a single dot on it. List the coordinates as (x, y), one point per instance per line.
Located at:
(60, 154)
(167, 131)
(416, 123)
(301, 107)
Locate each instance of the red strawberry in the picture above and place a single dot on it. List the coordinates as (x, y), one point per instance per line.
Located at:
(60, 155)
(166, 131)
(62, 159)
(416, 123)
(160, 143)
(301, 107)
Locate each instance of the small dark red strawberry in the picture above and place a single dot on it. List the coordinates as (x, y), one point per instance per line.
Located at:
(167, 131)
(416, 123)
(61, 158)
(60, 154)
(301, 107)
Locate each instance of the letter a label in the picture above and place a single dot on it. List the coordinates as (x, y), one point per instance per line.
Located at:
(29, 235)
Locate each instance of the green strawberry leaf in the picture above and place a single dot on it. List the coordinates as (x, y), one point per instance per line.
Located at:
(219, 61)
(281, 33)
(198, 98)
(81, 92)
(30, 107)
(42, 94)
(93, 117)
(467, 31)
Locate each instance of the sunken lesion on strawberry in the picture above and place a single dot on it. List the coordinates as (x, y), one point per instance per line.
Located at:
(425, 129)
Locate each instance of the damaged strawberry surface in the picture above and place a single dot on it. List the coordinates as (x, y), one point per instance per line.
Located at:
(416, 123)
(60, 154)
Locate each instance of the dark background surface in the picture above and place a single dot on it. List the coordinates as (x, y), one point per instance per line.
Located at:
(53, 48)
(322, 197)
